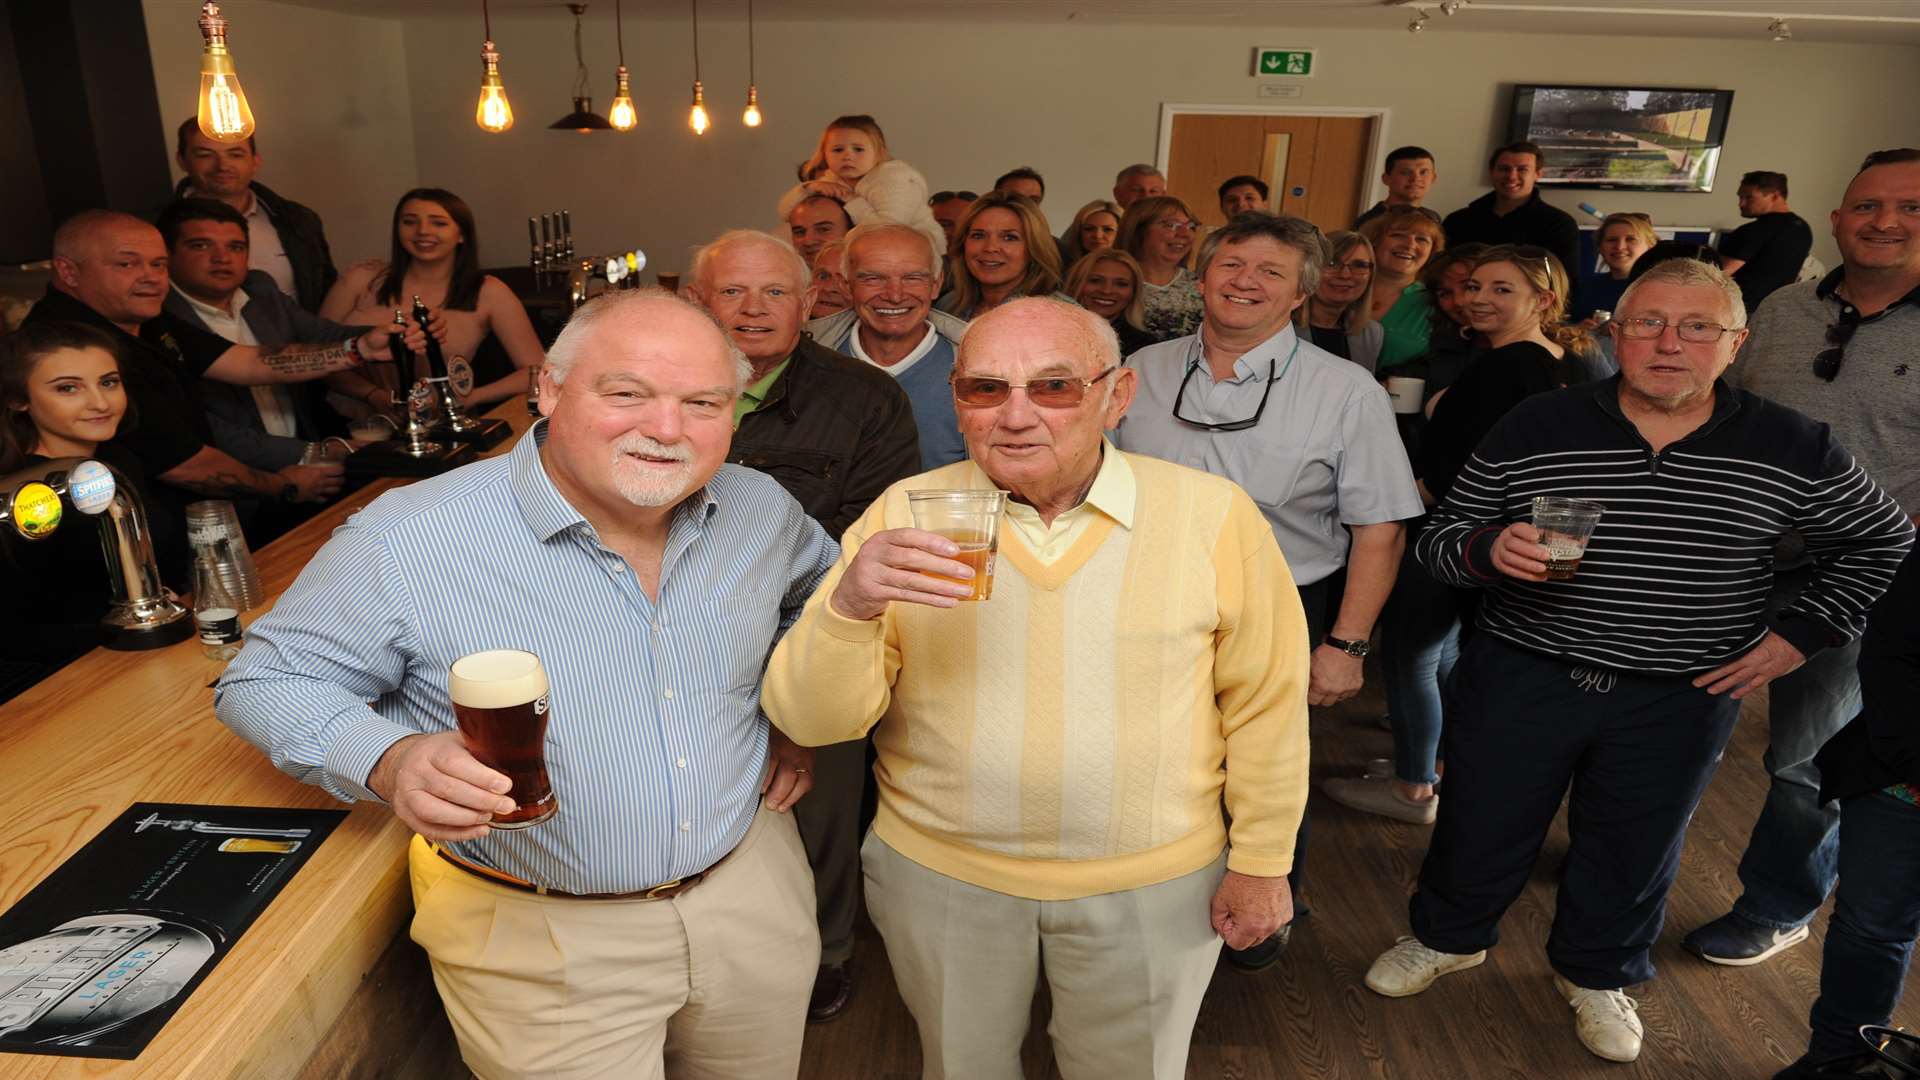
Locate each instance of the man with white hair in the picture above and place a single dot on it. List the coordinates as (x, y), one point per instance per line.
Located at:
(659, 915)
(1621, 679)
(893, 276)
(1054, 761)
(834, 432)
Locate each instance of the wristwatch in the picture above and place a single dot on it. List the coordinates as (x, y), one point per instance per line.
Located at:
(1351, 648)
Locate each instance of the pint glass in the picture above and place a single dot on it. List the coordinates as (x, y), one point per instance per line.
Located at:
(969, 518)
(500, 699)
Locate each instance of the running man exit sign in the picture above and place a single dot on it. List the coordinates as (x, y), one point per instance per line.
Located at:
(1271, 63)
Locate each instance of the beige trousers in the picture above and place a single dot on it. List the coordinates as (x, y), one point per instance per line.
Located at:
(1126, 970)
(709, 985)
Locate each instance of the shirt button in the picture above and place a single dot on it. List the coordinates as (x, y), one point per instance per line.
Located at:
(686, 826)
(682, 763)
(668, 694)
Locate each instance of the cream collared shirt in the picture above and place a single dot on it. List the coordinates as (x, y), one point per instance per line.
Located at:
(1112, 495)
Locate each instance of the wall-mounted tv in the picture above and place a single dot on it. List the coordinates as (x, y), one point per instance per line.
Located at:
(1650, 139)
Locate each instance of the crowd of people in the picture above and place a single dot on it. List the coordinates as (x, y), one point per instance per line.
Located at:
(1239, 461)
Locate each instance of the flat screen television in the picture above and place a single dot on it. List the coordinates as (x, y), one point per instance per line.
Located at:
(1648, 139)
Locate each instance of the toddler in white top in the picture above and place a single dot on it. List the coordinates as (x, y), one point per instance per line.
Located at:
(851, 164)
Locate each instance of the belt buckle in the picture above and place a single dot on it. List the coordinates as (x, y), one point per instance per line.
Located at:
(665, 888)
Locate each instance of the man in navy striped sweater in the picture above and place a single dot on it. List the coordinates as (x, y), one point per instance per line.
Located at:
(1624, 682)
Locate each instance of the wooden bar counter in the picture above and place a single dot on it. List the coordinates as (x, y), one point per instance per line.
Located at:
(325, 983)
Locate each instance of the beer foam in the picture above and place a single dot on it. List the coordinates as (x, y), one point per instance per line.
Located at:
(497, 679)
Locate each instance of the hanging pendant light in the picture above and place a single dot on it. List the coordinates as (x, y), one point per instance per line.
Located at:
(621, 113)
(697, 118)
(582, 118)
(224, 114)
(751, 117)
(493, 113)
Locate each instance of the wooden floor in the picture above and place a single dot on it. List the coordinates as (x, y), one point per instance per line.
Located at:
(1311, 1017)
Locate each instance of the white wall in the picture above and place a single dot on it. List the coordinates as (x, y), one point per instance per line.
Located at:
(330, 95)
(962, 102)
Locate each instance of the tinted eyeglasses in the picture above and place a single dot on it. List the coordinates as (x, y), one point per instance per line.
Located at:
(1827, 363)
(942, 196)
(1054, 392)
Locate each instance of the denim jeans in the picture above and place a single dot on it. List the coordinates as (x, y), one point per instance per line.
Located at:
(1792, 856)
(1875, 919)
(1419, 644)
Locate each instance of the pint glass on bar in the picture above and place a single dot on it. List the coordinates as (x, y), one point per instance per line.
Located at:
(500, 699)
(969, 518)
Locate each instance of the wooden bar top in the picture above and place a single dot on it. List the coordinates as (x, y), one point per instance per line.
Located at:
(115, 728)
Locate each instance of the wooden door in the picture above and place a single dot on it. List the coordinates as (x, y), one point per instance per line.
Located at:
(1315, 166)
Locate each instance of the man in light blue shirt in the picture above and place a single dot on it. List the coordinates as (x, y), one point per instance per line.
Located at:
(893, 275)
(1310, 436)
(652, 581)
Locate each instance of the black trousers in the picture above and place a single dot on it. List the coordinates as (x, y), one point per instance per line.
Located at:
(1637, 752)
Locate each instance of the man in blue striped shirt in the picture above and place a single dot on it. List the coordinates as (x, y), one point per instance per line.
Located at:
(660, 912)
(1624, 681)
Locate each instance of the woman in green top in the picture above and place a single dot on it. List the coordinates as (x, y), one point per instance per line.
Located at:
(1403, 238)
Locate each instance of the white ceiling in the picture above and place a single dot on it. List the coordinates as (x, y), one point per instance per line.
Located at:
(1868, 21)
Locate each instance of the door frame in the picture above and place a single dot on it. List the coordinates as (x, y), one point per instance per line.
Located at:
(1380, 115)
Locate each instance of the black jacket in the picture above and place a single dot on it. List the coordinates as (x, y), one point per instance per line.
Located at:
(1881, 747)
(303, 238)
(834, 431)
(1535, 222)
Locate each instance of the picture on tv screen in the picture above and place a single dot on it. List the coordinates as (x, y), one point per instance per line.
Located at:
(1620, 137)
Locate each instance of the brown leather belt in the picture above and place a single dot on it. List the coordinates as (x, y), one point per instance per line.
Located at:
(666, 890)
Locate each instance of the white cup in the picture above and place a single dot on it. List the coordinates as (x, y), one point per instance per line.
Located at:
(1405, 392)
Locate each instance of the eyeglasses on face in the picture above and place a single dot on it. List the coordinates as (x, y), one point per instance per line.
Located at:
(1354, 266)
(1053, 392)
(1698, 331)
(1176, 225)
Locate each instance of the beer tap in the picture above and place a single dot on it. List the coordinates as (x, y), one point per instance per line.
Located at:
(441, 376)
(140, 614)
(419, 400)
(534, 260)
(566, 230)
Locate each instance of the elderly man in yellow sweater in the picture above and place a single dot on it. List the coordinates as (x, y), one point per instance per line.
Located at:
(1097, 772)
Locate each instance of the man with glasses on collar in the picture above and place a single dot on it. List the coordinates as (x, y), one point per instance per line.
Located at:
(1310, 436)
(1843, 351)
(1054, 760)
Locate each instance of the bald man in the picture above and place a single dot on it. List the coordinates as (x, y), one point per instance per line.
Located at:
(835, 432)
(1053, 760)
(110, 272)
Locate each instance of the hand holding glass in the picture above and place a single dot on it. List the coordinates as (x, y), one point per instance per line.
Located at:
(969, 518)
(1565, 527)
(500, 700)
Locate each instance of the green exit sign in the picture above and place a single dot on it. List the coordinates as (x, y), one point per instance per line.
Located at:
(1272, 63)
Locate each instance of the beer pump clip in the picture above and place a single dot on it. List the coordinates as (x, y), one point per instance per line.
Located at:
(141, 613)
(620, 270)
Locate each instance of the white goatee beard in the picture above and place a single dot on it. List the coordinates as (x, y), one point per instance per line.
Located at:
(645, 485)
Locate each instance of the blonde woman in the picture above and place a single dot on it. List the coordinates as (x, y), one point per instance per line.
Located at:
(1107, 283)
(851, 163)
(1338, 317)
(1622, 239)
(1096, 226)
(1002, 249)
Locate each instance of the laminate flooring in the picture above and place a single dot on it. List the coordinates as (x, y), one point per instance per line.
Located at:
(1311, 1016)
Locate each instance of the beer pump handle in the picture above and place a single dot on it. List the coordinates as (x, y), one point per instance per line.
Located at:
(436, 361)
(533, 243)
(402, 356)
(566, 230)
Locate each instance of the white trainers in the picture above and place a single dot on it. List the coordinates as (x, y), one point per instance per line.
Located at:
(1410, 967)
(1382, 798)
(1608, 1021)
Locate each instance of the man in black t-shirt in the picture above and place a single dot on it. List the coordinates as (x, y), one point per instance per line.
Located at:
(110, 271)
(1769, 250)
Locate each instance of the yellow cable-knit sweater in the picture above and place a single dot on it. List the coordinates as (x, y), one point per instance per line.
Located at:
(1076, 734)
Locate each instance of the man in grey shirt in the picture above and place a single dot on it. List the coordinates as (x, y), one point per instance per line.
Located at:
(1845, 351)
(1310, 436)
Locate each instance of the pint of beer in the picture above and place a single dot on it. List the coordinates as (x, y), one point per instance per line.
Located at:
(1565, 527)
(969, 518)
(500, 699)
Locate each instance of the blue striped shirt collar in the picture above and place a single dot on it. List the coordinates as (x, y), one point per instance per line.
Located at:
(546, 511)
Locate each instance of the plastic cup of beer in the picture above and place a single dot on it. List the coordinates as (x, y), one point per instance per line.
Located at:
(500, 698)
(1565, 527)
(970, 517)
